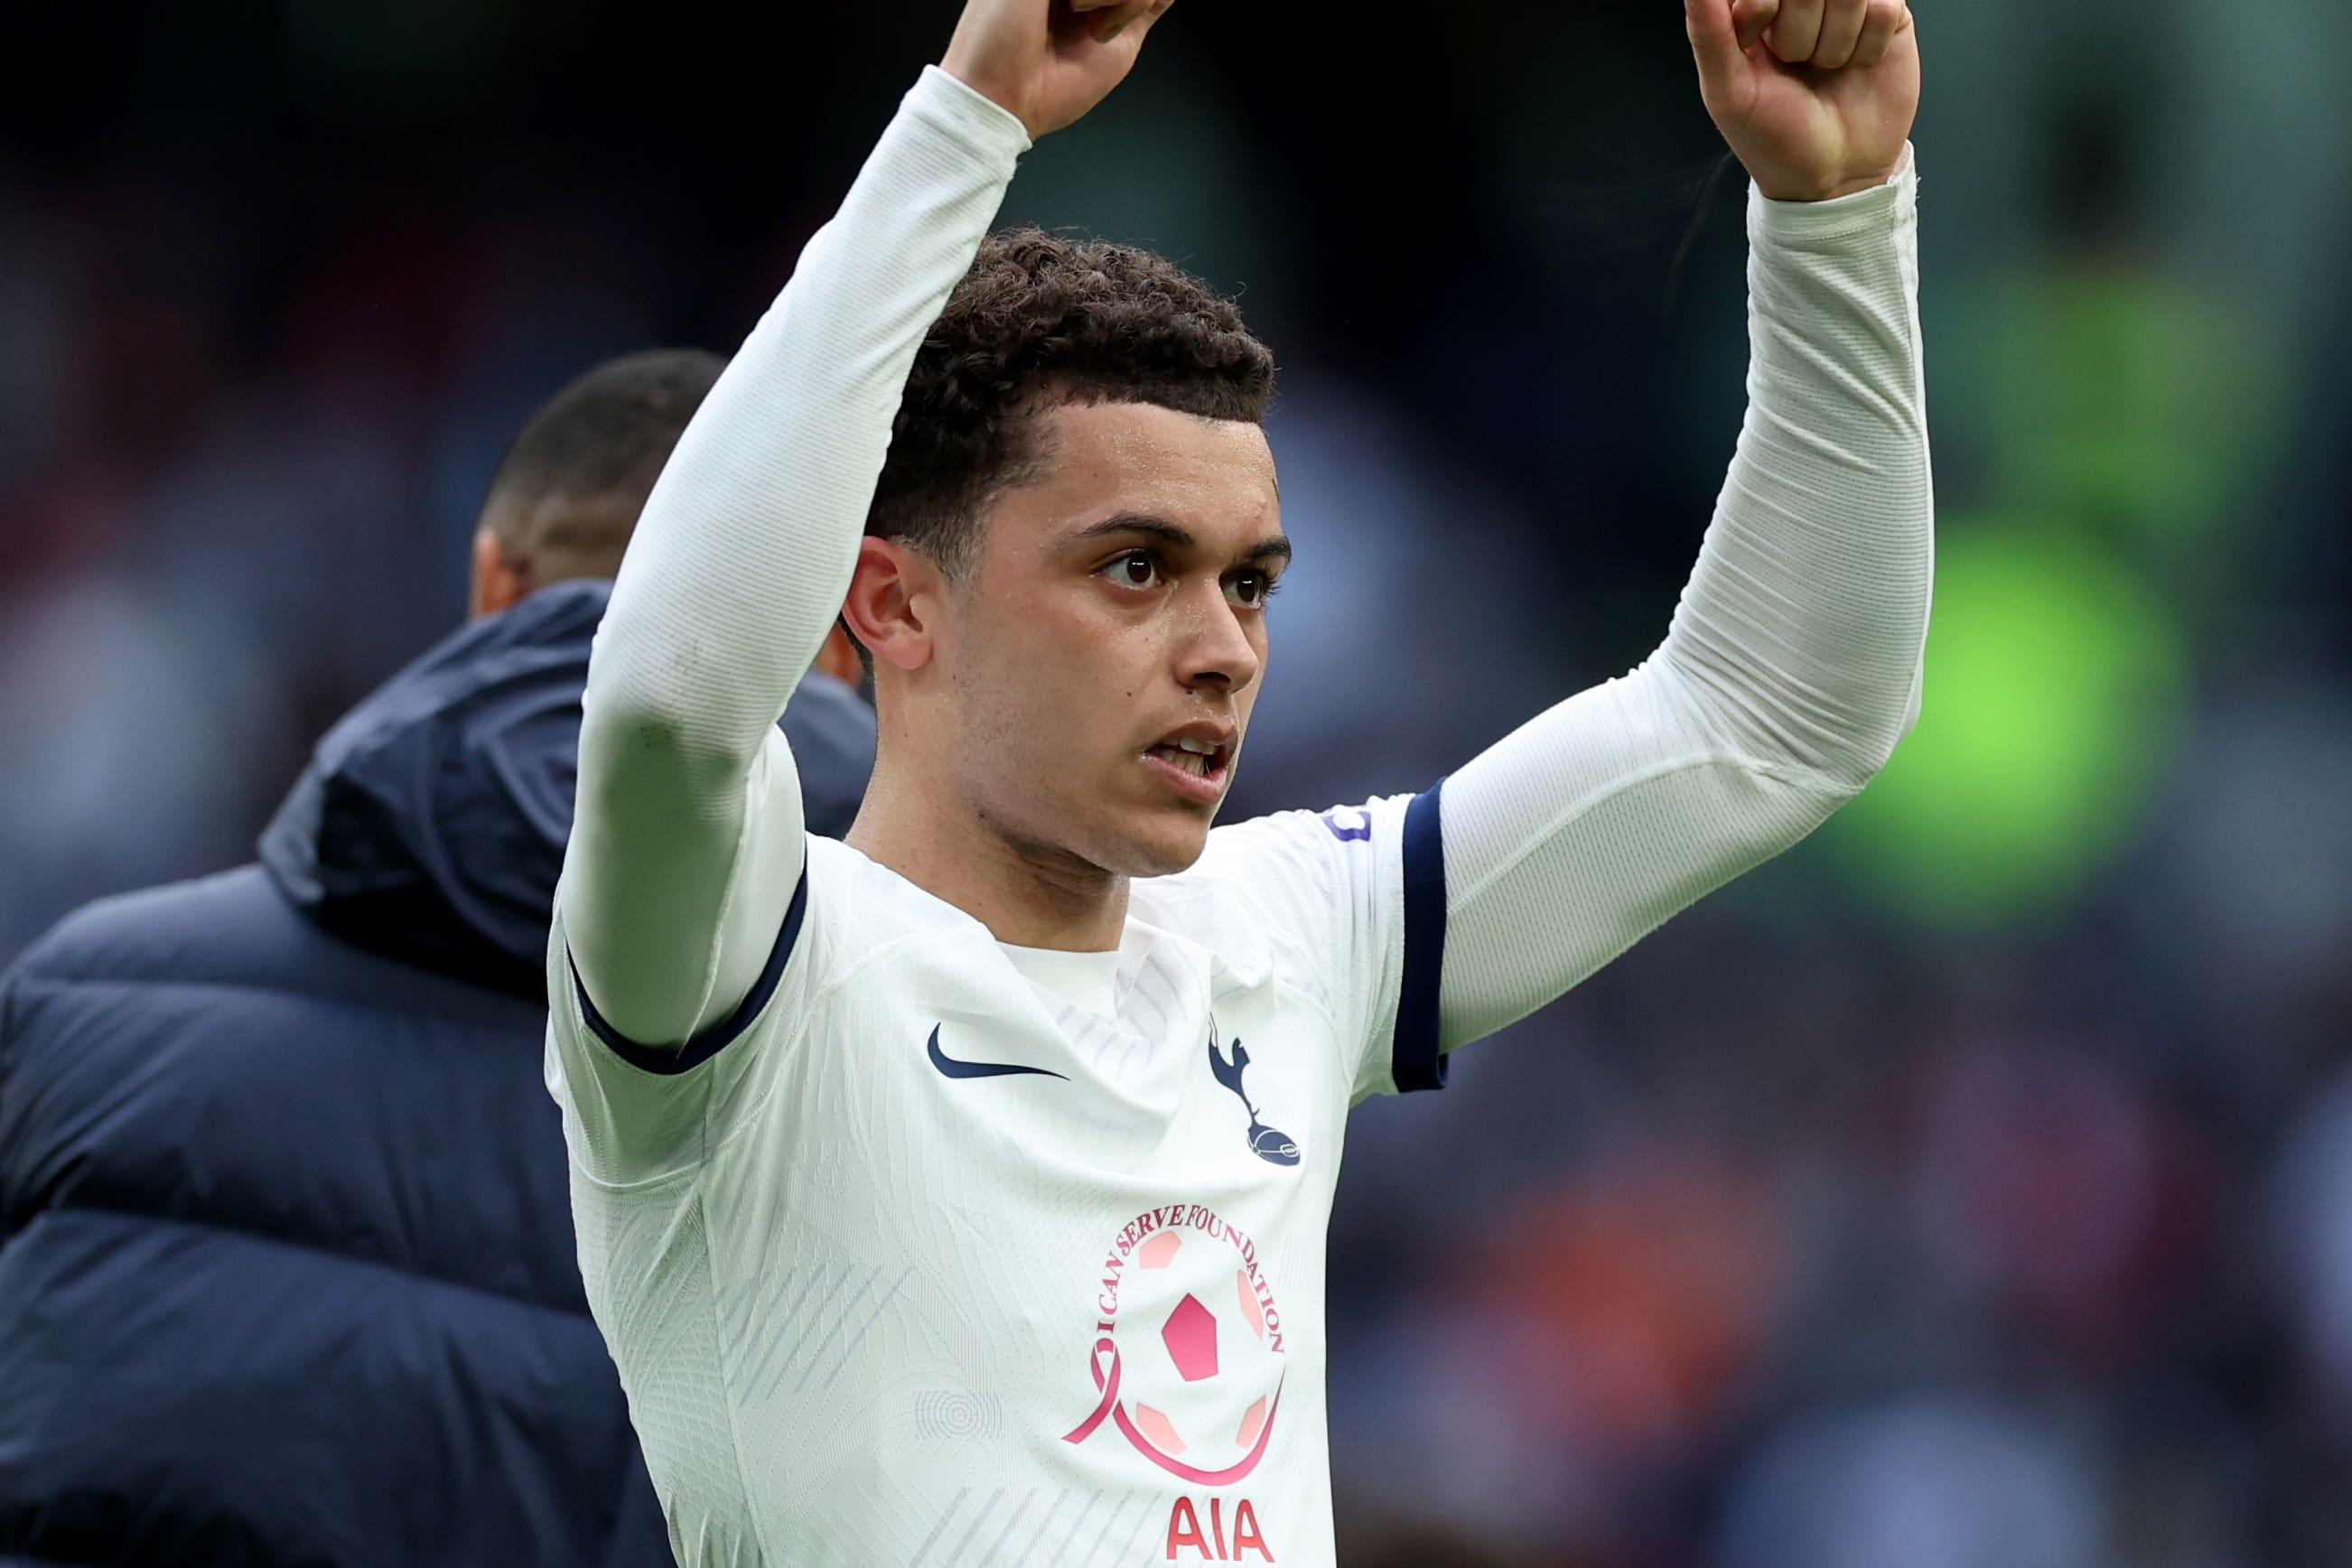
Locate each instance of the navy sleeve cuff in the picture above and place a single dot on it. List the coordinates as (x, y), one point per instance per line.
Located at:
(712, 1041)
(1416, 1061)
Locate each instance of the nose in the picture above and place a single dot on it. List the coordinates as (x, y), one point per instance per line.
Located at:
(1213, 647)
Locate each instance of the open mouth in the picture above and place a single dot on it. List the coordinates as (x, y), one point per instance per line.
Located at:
(1201, 759)
(1192, 766)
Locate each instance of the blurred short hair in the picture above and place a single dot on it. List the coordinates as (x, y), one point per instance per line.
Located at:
(567, 494)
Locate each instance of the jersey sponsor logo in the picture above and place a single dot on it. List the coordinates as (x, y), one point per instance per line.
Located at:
(1188, 1360)
(954, 1069)
(1348, 824)
(1276, 1148)
(1202, 1529)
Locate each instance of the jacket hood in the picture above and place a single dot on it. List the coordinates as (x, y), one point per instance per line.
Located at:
(430, 823)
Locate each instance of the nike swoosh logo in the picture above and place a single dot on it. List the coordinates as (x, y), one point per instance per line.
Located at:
(954, 1069)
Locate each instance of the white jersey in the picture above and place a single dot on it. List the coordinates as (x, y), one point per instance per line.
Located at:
(944, 1253)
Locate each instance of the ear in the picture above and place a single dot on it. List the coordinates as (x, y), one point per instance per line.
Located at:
(895, 598)
(499, 582)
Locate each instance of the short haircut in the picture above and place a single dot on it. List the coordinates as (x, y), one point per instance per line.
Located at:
(1040, 319)
(567, 493)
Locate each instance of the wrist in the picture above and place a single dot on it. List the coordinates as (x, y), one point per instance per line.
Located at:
(981, 121)
(1833, 191)
(998, 93)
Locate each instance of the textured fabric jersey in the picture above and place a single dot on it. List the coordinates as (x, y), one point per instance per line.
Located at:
(804, 1176)
(958, 1251)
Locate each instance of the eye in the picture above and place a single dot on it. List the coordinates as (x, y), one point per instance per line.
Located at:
(1136, 569)
(1250, 590)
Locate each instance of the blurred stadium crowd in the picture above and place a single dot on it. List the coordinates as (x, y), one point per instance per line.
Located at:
(1974, 1187)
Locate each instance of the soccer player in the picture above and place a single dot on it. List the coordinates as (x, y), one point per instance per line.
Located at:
(956, 1193)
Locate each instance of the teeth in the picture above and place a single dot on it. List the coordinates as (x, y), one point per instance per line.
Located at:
(1194, 763)
(1202, 748)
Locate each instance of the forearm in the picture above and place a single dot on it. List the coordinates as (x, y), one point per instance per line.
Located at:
(1800, 630)
(1791, 666)
(737, 570)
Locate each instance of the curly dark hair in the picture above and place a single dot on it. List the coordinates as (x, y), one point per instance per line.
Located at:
(1040, 319)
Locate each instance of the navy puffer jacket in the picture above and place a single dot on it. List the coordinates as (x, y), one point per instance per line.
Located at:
(286, 1257)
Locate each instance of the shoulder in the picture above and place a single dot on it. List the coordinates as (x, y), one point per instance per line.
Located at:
(226, 933)
(846, 920)
(873, 943)
(1277, 886)
(235, 932)
(209, 1016)
(132, 935)
(857, 908)
(231, 943)
(227, 955)
(1278, 858)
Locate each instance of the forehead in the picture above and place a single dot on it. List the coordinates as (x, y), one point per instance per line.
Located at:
(1214, 478)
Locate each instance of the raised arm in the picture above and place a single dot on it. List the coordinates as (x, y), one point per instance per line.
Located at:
(688, 843)
(1791, 667)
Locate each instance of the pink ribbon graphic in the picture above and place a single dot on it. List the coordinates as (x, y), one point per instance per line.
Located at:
(1108, 1382)
(1109, 1387)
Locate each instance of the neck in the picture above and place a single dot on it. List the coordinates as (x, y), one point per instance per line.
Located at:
(1025, 894)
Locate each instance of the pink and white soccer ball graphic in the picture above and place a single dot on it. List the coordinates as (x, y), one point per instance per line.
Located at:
(1200, 1371)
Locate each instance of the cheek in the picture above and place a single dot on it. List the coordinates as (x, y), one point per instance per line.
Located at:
(1052, 682)
(1084, 638)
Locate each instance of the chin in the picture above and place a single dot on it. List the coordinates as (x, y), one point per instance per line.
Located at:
(1160, 848)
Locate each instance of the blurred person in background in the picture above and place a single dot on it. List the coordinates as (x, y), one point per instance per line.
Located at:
(287, 1270)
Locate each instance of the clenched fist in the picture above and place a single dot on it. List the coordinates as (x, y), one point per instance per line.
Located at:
(1048, 61)
(1816, 97)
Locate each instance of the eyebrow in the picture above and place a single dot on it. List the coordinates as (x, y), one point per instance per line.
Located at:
(1274, 549)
